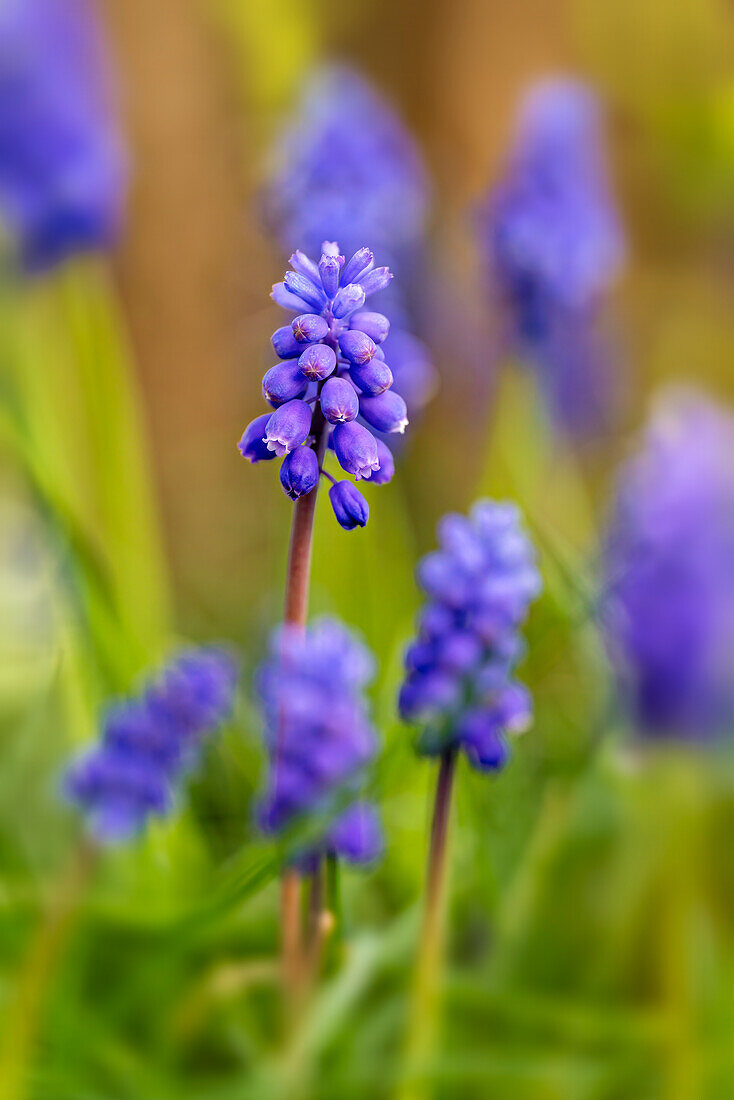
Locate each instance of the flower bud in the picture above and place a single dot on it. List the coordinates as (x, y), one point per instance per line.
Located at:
(371, 378)
(301, 286)
(339, 402)
(387, 465)
(386, 412)
(348, 299)
(355, 449)
(252, 445)
(356, 347)
(308, 328)
(288, 427)
(304, 265)
(350, 507)
(374, 325)
(299, 473)
(360, 263)
(285, 298)
(480, 735)
(317, 362)
(329, 270)
(285, 344)
(375, 280)
(283, 382)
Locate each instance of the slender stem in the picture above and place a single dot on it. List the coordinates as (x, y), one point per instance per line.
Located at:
(296, 612)
(423, 1013)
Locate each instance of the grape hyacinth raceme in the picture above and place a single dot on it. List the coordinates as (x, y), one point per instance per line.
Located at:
(458, 683)
(319, 739)
(332, 387)
(63, 170)
(668, 604)
(554, 246)
(149, 743)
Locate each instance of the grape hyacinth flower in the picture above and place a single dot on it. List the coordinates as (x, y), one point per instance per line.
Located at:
(319, 739)
(333, 386)
(668, 604)
(458, 681)
(149, 743)
(459, 687)
(62, 164)
(554, 247)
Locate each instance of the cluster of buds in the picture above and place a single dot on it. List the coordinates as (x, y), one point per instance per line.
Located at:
(332, 386)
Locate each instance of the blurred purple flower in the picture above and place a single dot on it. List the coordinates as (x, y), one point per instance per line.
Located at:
(458, 672)
(62, 165)
(668, 604)
(148, 743)
(319, 737)
(554, 246)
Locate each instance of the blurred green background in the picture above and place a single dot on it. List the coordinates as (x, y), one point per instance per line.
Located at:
(590, 954)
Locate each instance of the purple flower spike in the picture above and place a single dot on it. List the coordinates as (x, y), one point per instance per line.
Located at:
(668, 600)
(299, 473)
(356, 450)
(319, 738)
(458, 672)
(554, 247)
(149, 743)
(288, 427)
(63, 170)
(350, 507)
(329, 361)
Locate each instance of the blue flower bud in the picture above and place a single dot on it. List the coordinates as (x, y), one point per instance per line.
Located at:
(283, 382)
(329, 270)
(285, 298)
(350, 507)
(372, 378)
(376, 280)
(302, 287)
(299, 473)
(458, 651)
(356, 346)
(339, 402)
(428, 691)
(288, 427)
(252, 446)
(356, 449)
(374, 325)
(479, 733)
(317, 362)
(360, 263)
(385, 413)
(308, 328)
(285, 344)
(348, 299)
(304, 265)
(387, 465)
